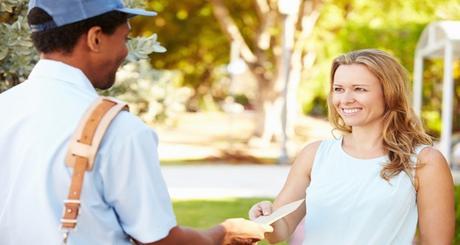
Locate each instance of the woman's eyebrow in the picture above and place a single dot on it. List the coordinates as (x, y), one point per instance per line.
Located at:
(337, 83)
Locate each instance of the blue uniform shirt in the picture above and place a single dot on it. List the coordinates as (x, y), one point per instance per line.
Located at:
(124, 195)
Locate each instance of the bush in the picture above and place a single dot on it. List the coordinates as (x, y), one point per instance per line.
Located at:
(17, 55)
(152, 94)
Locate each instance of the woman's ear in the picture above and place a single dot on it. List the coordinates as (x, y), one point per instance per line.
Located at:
(93, 38)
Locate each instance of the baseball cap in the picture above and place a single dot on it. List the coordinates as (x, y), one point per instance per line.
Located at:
(66, 12)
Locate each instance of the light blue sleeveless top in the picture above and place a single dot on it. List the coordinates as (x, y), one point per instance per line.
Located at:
(348, 203)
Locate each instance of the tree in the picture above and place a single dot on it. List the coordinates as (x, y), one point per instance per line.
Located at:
(197, 48)
(264, 56)
(324, 29)
(195, 45)
(349, 25)
(152, 94)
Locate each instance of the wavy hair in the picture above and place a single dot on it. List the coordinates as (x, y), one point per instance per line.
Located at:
(402, 130)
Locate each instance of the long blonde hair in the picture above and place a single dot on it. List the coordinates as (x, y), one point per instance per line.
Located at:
(402, 130)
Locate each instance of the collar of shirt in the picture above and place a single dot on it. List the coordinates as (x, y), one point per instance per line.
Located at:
(46, 70)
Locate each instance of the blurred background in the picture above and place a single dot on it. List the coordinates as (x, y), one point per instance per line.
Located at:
(243, 84)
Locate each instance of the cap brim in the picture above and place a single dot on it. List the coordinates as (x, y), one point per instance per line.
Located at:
(134, 12)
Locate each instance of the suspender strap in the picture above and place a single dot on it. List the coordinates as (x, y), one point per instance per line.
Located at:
(82, 151)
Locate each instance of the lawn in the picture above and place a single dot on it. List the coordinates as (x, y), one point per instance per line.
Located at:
(457, 215)
(205, 213)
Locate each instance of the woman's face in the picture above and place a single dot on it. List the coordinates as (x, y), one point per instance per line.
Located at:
(357, 96)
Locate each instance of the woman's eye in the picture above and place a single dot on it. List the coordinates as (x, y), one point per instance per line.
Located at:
(360, 89)
(336, 89)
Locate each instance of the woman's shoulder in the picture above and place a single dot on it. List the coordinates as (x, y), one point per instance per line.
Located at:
(308, 153)
(304, 161)
(306, 158)
(433, 167)
(311, 149)
(428, 155)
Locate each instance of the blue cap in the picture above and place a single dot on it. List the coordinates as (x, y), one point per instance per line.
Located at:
(66, 12)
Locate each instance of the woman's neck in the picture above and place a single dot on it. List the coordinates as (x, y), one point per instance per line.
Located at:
(365, 141)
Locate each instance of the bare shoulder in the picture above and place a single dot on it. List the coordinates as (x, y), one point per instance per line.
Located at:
(308, 153)
(434, 166)
(304, 160)
(312, 147)
(299, 175)
(431, 157)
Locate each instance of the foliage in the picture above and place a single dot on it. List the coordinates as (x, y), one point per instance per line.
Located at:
(349, 25)
(457, 215)
(206, 213)
(152, 94)
(197, 46)
(16, 51)
(151, 100)
(141, 47)
(193, 39)
(432, 96)
(17, 54)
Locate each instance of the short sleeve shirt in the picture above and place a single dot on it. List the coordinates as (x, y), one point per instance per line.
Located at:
(123, 196)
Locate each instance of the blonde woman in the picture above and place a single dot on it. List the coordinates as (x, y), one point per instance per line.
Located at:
(374, 184)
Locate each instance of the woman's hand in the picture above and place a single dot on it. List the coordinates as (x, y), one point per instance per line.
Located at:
(294, 189)
(262, 208)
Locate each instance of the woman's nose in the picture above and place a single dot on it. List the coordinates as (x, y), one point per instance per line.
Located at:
(348, 97)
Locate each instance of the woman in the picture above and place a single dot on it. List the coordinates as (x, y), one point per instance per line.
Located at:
(373, 184)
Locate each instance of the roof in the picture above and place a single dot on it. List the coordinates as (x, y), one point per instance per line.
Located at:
(436, 35)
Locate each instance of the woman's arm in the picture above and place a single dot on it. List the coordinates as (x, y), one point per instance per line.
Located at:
(435, 198)
(293, 190)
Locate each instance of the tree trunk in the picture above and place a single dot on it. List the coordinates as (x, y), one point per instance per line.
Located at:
(271, 81)
(302, 59)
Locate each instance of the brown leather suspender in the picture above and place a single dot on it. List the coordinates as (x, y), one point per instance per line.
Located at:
(82, 152)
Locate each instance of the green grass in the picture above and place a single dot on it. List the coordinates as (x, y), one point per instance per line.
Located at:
(206, 213)
(457, 215)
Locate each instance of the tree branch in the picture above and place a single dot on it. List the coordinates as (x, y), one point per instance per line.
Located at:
(231, 30)
(262, 8)
(266, 17)
(309, 17)
(263, 34)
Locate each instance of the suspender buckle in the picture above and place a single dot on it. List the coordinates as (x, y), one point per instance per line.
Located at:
(69, 217)
(65, 235)
(72, 201)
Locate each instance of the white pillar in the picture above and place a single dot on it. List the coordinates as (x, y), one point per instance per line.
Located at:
(447, 103)
(418, 84)
(288, 43)
(289, 9)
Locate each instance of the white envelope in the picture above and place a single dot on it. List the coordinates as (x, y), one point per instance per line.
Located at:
(279, 213)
